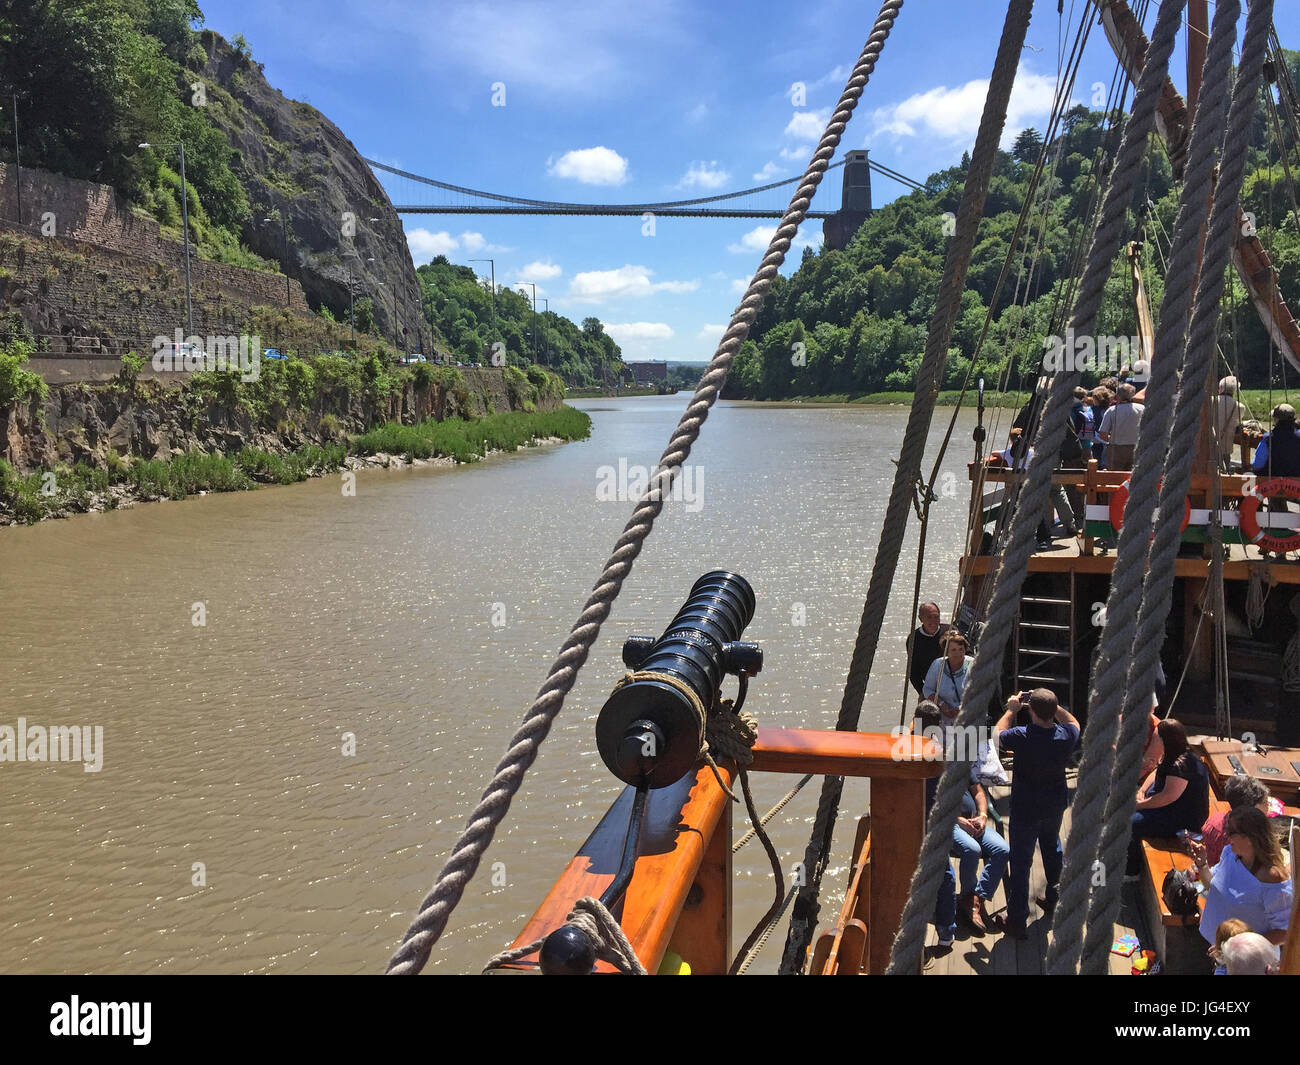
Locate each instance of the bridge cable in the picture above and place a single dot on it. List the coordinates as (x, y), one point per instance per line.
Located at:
(986, 673)
(436, 908)
(948, 306)
(522, 202)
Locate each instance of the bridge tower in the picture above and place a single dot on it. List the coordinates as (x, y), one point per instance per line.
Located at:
(855, 201)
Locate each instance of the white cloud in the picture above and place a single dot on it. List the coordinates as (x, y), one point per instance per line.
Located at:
(758, 238)
(953, 114)
(800, 153)
(807, 125)
(632, 331)
(769, 171)
(711, 333)
(704, 176)
(698, 113)
(591, 166)
(597, 286)
(425, 244)
(739, 284)
(540, 271)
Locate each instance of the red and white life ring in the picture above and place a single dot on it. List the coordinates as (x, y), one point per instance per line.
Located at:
(1120, 497)
(1283, 488)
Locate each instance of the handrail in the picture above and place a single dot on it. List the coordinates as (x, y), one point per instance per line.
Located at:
(679, 901)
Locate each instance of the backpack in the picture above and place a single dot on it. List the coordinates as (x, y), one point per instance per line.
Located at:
(1179, 893)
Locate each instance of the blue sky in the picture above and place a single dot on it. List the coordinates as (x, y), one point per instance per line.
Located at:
(664, 100)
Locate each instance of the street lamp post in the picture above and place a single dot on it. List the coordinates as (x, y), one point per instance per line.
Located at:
(18, 166)
(493, 264)
(284, 234)
(534, 288)
(185, 224)
(352, 297)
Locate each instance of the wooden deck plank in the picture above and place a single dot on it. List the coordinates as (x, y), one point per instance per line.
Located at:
(994, 954)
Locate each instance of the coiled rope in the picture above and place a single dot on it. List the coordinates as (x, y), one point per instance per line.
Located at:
(604, 931)
(1106, 699)
(1005, 597)
(1198, 366)
(437, 906)
(948, 305)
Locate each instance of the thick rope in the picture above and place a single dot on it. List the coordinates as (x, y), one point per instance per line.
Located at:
(437, 906)
(1106, 699)
(591, 916)
(1198, 364)
(1004, 603)
(948, 306)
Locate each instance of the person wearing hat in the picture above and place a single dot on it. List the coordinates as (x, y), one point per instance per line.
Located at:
(1138, 378)
(1227, 419)
(1278, 454)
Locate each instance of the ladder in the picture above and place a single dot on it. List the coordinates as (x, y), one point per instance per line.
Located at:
(1042, 653)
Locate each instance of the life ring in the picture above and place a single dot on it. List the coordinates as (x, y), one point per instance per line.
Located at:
(1282, 487)
(1120, 497)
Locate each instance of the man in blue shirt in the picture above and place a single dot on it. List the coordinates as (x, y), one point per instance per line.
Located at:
(1278, 454)
(1039, 795)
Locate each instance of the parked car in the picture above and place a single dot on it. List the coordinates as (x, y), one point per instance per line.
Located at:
(273, 353)
(409, 360)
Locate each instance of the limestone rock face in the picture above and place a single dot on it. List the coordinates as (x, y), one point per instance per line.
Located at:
(295, 164)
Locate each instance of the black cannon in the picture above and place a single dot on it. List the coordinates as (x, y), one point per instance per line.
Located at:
(650, 730)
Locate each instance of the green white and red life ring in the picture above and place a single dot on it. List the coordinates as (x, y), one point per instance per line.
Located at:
(1282, 488)
(1120, 497)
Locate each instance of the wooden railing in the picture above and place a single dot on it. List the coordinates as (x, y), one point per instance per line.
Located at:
(678, 906)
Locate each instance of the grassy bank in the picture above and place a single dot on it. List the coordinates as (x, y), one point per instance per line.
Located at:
(79, 487)
(467, 440)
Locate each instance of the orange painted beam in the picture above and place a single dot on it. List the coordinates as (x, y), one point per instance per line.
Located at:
(680, 820)
(846, 754)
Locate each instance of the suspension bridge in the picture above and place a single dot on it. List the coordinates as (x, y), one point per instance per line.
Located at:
(417, 194)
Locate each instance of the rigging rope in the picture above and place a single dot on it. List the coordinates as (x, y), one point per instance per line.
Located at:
(437, 906)
(1106, 698)
(1198, 361)
(948, 305)
(985, 675)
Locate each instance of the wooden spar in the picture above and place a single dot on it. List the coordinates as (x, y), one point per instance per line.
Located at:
(679, 900)
(1248, 255)
(1146, 328)
(1198, 39)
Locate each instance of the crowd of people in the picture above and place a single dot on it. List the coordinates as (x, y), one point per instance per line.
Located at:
(1104, 423)
(1238, 859)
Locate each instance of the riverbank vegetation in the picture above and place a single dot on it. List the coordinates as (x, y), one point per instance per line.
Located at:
(79, 487)
(468, 321)
(854, 322)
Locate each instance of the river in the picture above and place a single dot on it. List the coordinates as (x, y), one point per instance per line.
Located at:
(232, 829)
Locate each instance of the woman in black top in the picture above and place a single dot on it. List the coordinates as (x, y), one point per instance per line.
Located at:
(1175, 796)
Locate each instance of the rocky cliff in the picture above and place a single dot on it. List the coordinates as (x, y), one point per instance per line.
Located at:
(297, 167)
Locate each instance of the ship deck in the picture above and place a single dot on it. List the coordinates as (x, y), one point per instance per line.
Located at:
(994, 954)
(1067, 555)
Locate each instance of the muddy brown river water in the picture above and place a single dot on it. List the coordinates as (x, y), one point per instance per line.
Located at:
(230, 828)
